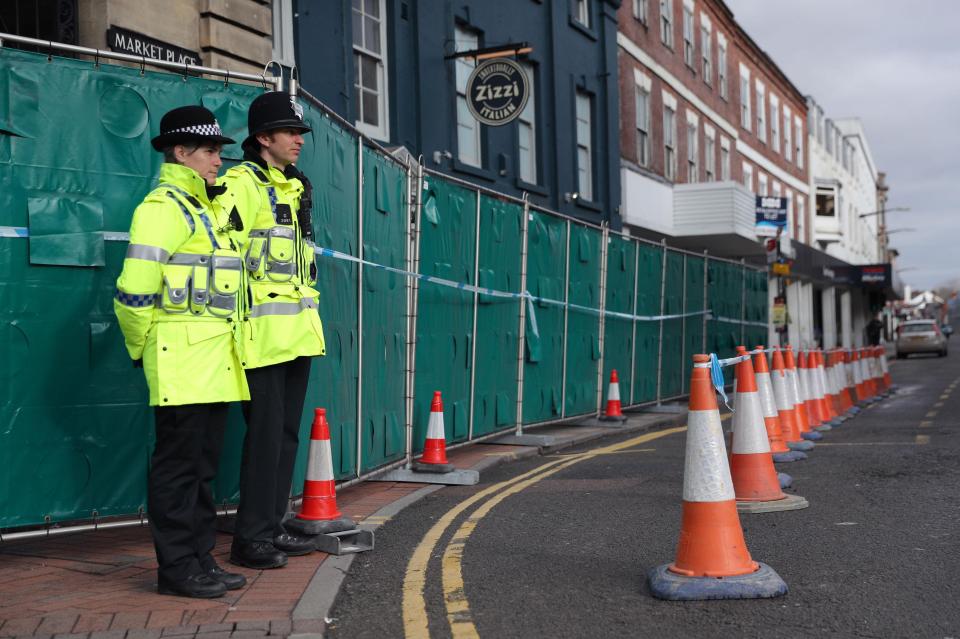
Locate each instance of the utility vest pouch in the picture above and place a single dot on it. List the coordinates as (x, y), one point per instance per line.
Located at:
(274, 251)
(176, 296)
(224, 283)
(200, 285)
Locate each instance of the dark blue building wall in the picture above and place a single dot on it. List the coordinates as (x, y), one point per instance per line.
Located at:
(422, 92)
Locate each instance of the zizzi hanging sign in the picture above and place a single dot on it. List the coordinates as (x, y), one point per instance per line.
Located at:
(497, 91)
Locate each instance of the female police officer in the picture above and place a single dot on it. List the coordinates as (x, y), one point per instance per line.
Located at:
(178, 306)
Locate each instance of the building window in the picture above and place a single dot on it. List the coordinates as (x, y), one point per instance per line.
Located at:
(722, 65)
(724, 159)
(283, 32)
(48, 20)
(469, 148)
(643, 124)
(787, 138)
(688, 32)
(706, 49)
(774, 124)
(582, 14)
(744, 97)
(709, 154)
(798, 125)
(828, 136)
(640, 10)
(693, 150)
(369, 57)
(670, 141)
(584, 147)
(762, 183)
(776, 190)
(748, 176)
(826, 203)
(761, 112)
(527, 132)
(666, 22)
(801, 221)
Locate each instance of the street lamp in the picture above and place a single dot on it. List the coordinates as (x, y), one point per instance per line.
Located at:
(896, 208)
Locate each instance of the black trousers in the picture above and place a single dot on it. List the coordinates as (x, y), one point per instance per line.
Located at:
(179, 496)
(273, 416)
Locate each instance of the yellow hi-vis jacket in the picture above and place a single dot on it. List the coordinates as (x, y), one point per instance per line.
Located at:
(281, 322)
(178, 300)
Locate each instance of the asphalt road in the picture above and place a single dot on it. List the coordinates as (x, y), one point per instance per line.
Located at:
(563, 551)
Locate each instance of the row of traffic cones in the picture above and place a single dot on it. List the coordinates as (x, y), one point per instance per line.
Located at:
(777, 413)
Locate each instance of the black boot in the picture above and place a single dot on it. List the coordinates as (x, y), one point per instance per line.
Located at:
(294, 544)
(232, 580)
(259, 555)
(200, 586)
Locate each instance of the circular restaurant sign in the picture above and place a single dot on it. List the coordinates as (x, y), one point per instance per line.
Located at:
(497, 91)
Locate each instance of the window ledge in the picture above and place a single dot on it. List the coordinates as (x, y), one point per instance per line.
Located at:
(589, 205)
(587, 31)
(474, 171)
(532, 188)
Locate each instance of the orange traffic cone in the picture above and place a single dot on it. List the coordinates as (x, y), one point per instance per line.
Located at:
(318, 512)
(866, 376)
(755, 482)
(843, 377)
(793, 387)
(785, 409)
(434, 458)
(831, 383)
(614, 411)
(885, 367)
(807, 384)
(880, 358)
(771, 419)
(850, 363)
(712, 560)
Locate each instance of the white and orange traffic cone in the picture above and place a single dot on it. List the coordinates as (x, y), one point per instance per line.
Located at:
(793, 387)
(866, 376)
(880, 358)
(808, 385)
(824, 391)
(712, 560)
(614, 412)
(851, 367)
(755, 481)
(885, 368)
(789, 423)
(771, 419)
(434, 457)
(319, 514)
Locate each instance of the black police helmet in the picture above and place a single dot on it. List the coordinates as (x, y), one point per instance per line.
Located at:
(274, 110)
(188, 124)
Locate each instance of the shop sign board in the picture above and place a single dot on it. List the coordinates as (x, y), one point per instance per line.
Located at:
(771, 215)
(497, 91)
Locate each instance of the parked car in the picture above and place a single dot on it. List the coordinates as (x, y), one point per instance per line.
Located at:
(920, 336)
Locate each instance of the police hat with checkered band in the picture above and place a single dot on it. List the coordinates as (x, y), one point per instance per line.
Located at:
(189, 124)
(274, 110)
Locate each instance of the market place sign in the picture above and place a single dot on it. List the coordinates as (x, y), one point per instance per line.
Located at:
(126, 41)
(771, 215)
(497, 91)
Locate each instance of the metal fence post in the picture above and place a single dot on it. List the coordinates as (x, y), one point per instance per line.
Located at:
(476, 303)
(413, 265)
(633, 338)
(743, 300)
(604, 251)
(360, 305)
(706, 299)
(663, 306)
(524, 300)
(683, 327)
(566, 318)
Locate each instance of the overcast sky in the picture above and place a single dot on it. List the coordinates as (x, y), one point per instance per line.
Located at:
(896, 66)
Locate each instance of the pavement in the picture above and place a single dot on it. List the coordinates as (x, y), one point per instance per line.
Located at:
(101, 584)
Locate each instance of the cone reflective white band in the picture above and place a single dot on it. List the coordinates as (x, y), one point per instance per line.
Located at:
(706, 472)
(779, 382)
(319, 461)
(884, 366)
(749, 431)
(767, 402)
(804, 378)
(793, 386)
(614, 393)
(857, 372)
(818, 389)
(435, 426)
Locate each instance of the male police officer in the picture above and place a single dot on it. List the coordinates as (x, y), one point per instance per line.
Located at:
(179, 309)
(282, 330)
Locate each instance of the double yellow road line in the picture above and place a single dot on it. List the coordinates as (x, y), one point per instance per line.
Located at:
(455, 600)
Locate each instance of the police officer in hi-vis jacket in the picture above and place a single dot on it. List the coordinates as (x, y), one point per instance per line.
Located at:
(282, 329)
(180, 311)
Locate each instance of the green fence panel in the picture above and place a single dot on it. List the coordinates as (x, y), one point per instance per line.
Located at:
(329, 158)
(498, 319)
(693, 324)
(385, 217)
(543, 363)
(583, 328)
(444, 314)
(618, 332)
(649, 276)
(672, 361)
